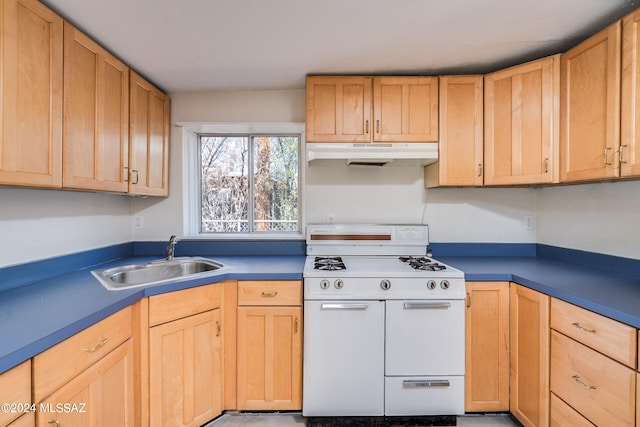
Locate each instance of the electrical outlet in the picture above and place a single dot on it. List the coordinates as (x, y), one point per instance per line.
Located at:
(331, 218)
(529, 223)
(138, 222)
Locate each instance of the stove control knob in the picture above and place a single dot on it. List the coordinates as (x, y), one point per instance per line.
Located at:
(445, 284)
(324, 284)
(431, 284)
(385, 284)
(338, 284)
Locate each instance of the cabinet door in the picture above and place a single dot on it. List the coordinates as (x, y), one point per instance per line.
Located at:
(460, 155)
(529, 342)
(338, 109)
(96, 116)
(102, 395)
(487, 347)
(522, 118)
(629, 153)
(269, 358)
(148, 138)
(15, 387)
(405, 109)
(590, 107)
(185, 371)
(30, 94)
(26, 420)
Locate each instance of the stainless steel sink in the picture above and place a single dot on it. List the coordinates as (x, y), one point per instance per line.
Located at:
(156, 272)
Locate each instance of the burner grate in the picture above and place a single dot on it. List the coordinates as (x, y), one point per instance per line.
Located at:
(422, 263)
(329, 263)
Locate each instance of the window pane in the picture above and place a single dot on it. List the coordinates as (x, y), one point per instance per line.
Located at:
(225, 184)
(275, 167)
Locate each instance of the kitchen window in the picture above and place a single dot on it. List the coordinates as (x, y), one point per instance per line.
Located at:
(243, 181)
(249, 183)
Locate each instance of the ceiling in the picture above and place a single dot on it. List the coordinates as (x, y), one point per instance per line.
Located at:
(219, 45)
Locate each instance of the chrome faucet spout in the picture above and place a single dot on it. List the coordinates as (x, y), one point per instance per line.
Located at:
(171, 247)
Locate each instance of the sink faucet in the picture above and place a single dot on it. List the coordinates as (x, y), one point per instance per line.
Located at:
(171, 247)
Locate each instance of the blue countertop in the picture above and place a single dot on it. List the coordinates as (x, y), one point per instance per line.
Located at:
(36, 316)
(599, 290)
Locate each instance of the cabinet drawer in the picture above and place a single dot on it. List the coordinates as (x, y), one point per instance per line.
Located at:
(269, 292)
(563, 415)
(605, 335)
(57, 365)
(599, 388)
(15, 387)
(187, 302)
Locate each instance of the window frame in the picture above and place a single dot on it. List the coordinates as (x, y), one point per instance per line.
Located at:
(192, 175)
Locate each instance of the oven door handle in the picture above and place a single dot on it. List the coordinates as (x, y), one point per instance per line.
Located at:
(344, 306)
(426, 305)
(425, 383)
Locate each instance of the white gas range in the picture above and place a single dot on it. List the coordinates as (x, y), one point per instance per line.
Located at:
(384, 324)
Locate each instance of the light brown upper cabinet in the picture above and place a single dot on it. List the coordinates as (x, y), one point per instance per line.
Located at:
(371, 109)
(149, 111)
(629, 152)
(338, 109)
(522, 117)
(30, 94)
(590, 107)
(460, 155)
(405, 109)
(96, 116)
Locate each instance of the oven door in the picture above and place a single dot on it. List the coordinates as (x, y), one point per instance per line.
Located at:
(425, 337)
(343, 358)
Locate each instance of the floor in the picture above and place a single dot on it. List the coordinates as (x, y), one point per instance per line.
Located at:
(295, 419)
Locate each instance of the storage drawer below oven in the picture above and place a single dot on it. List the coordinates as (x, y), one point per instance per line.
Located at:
(424, 395)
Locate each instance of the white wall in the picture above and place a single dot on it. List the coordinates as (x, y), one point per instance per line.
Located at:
(397, 195)
(38, 224)
(603, 217)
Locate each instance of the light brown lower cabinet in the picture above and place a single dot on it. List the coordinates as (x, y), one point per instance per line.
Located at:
(597, 387)
(15, 387)
(269, 337)
(563, 415)
(25, 420)
(102, 395)
(487, 347)
(529, 343)
(185, 357)
(185, 369)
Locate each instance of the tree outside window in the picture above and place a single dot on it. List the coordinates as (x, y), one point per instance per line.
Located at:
(249, 183)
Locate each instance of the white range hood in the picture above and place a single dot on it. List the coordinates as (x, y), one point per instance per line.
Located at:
(372, 154)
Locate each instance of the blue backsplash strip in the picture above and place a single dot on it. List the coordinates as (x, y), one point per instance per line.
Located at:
(208, 248)
(24, 274)
(628, 267)
(483, 249)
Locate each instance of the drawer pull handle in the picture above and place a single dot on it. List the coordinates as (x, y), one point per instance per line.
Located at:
(425, 305)
(583, 384)
(582, 328)
(425, 383)
(269, 294)
(93, 349)
(56, 422)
